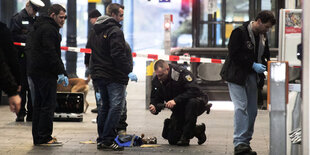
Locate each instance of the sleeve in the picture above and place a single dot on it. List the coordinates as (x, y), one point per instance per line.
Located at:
(237, 54)
(7, 80)
(10, 53)
(88, 45)
(18, 30)
(49, 40)
(118, 52)
(191, 87)
(156, 97)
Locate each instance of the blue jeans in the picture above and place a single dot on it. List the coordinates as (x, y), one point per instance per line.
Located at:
(109, 110)
(245, 105)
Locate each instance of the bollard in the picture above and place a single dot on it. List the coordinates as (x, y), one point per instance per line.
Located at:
(277, 99)
(148, 82)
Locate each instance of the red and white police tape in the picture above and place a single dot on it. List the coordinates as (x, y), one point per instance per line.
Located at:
(148, 56)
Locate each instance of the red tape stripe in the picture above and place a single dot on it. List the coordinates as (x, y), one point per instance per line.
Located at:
(193, 59)
(174, 58)
(134, 54)
(216, 61)
(64, 48)
(85, 50)
(152, 56)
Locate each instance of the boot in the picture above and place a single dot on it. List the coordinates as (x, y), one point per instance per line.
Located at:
(183, 142)
(244, 149)
(200, 133)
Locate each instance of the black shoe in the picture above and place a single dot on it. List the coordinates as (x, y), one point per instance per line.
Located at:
(244, 149)
(95, 110)
(20, 118)
(113, 146)
(200, 133)
(183, 142)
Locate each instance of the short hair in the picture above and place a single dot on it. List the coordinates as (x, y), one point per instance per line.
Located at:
(94, 13)
(160, 64)
(113, 8)
(55, 8)
(266, 16)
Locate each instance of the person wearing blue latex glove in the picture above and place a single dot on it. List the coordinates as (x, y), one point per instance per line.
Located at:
(63, 79)
(248, 53)
(45, 70)
(258, 67)
(133, 77)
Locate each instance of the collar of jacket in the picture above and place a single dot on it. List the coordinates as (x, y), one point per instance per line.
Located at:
(44, 20)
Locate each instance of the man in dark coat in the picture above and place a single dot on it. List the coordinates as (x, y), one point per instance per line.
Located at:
(178, 87)
(244, 71)
(21, 25)
(92, 16)
(9, 73)
(43, 47)
(109, 69)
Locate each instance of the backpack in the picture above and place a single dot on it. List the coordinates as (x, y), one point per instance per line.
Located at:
(128, 140)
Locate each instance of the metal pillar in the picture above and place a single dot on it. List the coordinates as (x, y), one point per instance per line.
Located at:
(167, 33)
(71, 57)
(277, 98)
(148, 82)
(305, 78)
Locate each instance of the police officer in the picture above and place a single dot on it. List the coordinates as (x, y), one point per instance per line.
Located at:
(177, 87)
(21, 25)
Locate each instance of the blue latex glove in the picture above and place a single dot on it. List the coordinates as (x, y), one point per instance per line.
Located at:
(259, 68)
(62, 78)
(133, 77)
(98, 96)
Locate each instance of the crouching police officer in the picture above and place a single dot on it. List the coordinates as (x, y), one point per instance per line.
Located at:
(177, 87)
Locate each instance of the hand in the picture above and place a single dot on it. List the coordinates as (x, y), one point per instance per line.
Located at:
(14, 102)
(170, 104)
(133, 77)
(258, 67)
(152, 109)
(62, 78)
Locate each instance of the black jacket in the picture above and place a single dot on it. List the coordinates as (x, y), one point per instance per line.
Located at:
(241, 56)
(9, 71)
(43, 48)
(21, 25)
(180, 86)
(109, 59)
(87, 55)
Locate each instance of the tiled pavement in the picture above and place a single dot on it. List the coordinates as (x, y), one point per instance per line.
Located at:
(15, 138)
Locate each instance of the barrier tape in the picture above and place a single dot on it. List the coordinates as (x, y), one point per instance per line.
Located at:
(72, 49)
(149, 56)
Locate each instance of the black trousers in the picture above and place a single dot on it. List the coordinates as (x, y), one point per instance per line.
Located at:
(43, 110)
(25, 91)
(182, 122)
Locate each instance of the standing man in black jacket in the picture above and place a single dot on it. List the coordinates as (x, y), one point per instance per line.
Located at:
(92, 15)
(109, 69)
(9, 73)
(21, 25)
(178, 88)
(43, 46)
(244, 71)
